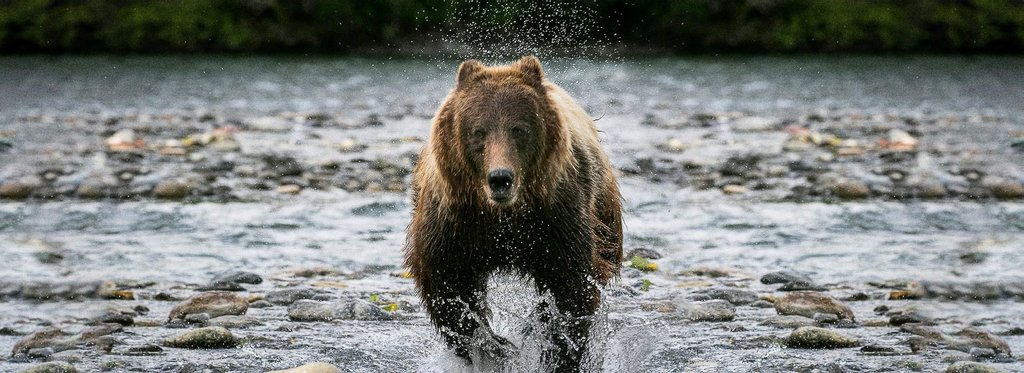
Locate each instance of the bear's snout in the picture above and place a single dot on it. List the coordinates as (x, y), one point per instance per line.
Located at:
(500, 182)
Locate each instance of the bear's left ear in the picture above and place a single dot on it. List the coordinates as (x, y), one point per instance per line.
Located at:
(530, 66)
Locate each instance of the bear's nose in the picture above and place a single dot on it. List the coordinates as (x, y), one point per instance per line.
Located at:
(500, 181)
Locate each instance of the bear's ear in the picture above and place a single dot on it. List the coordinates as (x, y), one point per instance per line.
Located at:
(468, 71)
(530, 67)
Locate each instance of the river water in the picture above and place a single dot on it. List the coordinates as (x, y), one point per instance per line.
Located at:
(965, 112)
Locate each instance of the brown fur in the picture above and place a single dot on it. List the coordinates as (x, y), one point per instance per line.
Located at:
(562, 225)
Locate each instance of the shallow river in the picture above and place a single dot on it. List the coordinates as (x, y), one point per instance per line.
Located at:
(970, 119)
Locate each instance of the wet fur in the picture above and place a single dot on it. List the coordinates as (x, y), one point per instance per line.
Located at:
(564, 228)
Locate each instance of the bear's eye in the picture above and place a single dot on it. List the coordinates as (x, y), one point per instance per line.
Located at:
(479, 133)
(518, 131)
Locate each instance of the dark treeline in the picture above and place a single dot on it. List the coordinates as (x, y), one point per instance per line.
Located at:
(989, 26)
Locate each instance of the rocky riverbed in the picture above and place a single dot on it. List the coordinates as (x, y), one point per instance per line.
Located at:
(776, 220)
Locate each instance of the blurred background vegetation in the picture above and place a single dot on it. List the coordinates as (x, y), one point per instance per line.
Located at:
(345, 26)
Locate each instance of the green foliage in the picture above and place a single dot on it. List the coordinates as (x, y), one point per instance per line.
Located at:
(346, 25)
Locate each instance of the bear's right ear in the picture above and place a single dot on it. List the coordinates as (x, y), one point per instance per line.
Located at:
(468, 72)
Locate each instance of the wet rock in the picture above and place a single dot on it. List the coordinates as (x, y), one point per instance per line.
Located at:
(48, 337)
(289, 296)
(172, 189)
(8, 331)
(93, 189)
(100, 330)
(52, 367)
(712, 311)
(814, 337)
(733, 189)
(1014, 331)
(70, 356)
(289, 189)
(1007, 190)
(240, 277)
(971, 367)
(809, 303)
(787, 321)
(235, 322)
(203, 338)
(955, 356)
(280, 166)
(982, 353)
(876, 350)
(260, 304)
(643, 253)
(41, 352)
(801, 285)
(825, 318)
(311, 368)
(308, 310)
(177, 324)
(16, 190)
(214, 303)
(762, 304)
(197, 318)
(850, 189)
(930, 190)
(115, 317)
(908, 317)
(782, 277)
(221, 285)
(983, 339)
(963, 340)
(737, 297)
(142, 350)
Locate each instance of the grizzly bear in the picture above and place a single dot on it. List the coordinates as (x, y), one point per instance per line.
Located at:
(513, 179)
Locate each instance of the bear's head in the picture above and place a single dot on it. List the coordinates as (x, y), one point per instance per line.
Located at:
(500, 129)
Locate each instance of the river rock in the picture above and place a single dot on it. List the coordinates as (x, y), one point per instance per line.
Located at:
(93, 189)
(213, 303)
(787, 321)
(850, 189)
(197, 318)
(221, 285)
(801, 285)
(712, 310)
(48, 337)
(782, 277)
(311, 368)
(172, 189)
(202, 338)
(52, 367)
(289, 296)
(16, 190)
(983, 339)
(738, 297)
(971, 367)
(643, 252)
(353, 309)
(141, 350)
(815, 337)
(964, 340)
(805, 303)
(1007, 190)
(234, 321)
(100, 330)
(240, 277)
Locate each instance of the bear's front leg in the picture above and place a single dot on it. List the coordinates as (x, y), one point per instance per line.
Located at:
(576, 300)
(455, 301)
